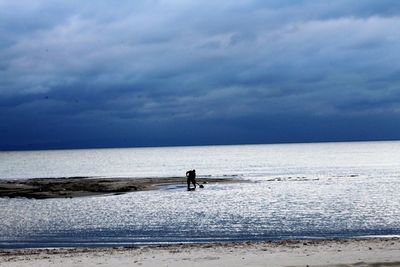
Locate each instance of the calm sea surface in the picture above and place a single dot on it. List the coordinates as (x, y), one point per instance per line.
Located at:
(297, 191)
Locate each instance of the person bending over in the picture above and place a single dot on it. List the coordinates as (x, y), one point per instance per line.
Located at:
(191, 178)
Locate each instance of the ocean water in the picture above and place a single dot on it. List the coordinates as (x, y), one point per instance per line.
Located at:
(322, 190)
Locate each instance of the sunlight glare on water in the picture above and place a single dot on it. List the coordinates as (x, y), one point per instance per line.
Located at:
(295, 191)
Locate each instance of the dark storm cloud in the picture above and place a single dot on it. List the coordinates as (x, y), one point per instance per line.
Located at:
(102, 71)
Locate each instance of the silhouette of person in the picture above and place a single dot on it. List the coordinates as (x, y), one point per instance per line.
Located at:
(191, 178)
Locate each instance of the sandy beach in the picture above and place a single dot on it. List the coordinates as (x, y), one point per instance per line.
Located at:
(69, 187)
(344, 252)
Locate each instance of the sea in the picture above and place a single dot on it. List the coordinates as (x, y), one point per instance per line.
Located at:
(292, 191)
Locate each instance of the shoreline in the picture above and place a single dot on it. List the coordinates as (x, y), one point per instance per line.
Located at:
(374, 251)
(70, 187)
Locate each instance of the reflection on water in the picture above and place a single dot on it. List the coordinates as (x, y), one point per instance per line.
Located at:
(295, 193)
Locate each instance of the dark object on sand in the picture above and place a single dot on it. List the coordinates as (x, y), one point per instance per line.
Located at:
(191, 179)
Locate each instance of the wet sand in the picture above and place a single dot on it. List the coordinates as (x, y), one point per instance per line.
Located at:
(68, 187)
(372, 252)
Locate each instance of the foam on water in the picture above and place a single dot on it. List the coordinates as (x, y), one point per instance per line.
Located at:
(297, 191)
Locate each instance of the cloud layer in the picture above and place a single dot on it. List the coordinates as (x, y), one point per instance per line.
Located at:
(193, 72)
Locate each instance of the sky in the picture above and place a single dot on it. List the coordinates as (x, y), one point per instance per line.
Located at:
(89, 74)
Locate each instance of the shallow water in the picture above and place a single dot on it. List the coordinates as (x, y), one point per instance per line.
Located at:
(297, 191)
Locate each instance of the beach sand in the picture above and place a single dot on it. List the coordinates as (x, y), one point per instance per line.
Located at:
(69, 187)
(345, 252)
